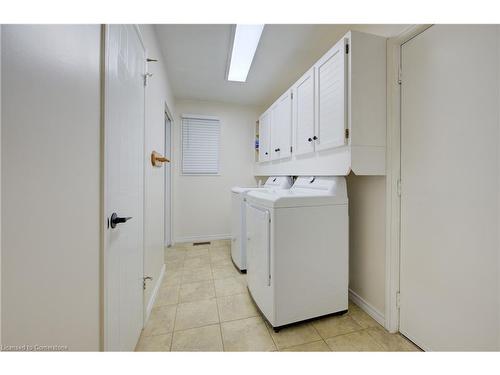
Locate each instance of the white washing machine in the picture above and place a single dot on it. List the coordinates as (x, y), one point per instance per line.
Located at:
(297, 250)
(238, 216)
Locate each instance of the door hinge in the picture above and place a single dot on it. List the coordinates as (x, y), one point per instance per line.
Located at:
(346, 132)
(398, 187)
(398, 300)
(400, 75)
(144, 281)
(146, 76)
(291, 149)
(346, 49)
(291, 95)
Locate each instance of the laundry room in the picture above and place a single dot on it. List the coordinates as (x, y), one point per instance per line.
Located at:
(250, 187)
(286, 193)
(264, 148)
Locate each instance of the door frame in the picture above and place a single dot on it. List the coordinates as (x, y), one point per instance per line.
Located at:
(170, 117)
(393, 175)
(104, 179)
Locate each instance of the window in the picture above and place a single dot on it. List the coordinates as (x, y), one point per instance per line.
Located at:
(200, 145)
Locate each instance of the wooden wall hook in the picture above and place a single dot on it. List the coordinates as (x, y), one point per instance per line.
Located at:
(158, 159)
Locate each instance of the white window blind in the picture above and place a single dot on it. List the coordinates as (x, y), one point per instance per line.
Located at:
(200, 144)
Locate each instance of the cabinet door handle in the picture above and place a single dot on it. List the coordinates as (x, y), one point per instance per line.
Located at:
(315, 137)
(267, 153)
(276, 149)
(309, 139)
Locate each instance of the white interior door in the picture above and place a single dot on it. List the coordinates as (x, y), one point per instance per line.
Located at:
(168, 182)
(264, 136)
(449, 202)
(331, 98)
(303, 109)
(124, 150)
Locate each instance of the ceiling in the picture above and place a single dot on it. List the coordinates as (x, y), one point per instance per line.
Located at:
(196, 59)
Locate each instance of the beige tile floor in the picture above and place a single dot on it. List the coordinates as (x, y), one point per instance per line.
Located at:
(203, 305)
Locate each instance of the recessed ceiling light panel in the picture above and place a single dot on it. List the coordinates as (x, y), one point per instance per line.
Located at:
(246, 40)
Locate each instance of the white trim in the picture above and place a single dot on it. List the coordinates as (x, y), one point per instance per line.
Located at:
(211, 237)
(168, 114)
(366, 307)
(104, 187)
(199, 117)
(0, 186)
(154, 294)
(393, 173)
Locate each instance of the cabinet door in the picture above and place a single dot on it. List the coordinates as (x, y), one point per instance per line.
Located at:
(331, 98)
(264, 136)
(281, 127)
(303, 113)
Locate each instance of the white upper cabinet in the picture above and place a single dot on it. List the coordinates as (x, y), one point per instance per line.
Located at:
(331, 98)
(303, 113)
(264, 137)
(281, 127)
(338, 112)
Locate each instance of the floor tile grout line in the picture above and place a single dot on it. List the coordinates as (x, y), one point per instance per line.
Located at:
(305, 343)
(328, 346)
(341, 334)
(344, 334)
(173, 328)
(235, 320)
(196, 327)
(316, 330)
(218, 313)
(302, 324)
(270, 334)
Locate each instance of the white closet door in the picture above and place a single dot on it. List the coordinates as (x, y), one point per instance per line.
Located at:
(124, 187)
(303, 110)
(264, 137)
(331, 98)
(281, 127)
(449, 202)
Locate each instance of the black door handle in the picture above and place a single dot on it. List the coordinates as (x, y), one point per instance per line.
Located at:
(309, 139)
(315, 137)
(267, 153)
(115, 219)
(276, 149)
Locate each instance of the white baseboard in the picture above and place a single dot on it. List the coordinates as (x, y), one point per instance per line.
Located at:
(367, 308)
(211, 237)
(154, 294)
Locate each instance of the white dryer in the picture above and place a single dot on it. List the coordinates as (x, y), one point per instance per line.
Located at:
(297, 250)
(238, 216)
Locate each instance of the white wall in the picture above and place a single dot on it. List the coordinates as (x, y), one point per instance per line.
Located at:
(51, 165)
(51, 186)
(0, 185)
(158, 93)
(367, 239)
(202, 204)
